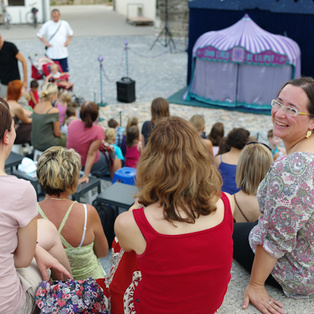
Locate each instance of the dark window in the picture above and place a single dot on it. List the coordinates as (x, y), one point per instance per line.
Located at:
(16, 3)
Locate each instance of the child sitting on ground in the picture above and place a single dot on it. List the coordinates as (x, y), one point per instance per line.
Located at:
(274, 143)
(110, 138)
(33, 94)
(120, 136)
(198, 122)
(59, 78)
(133, 148)
(71, 114)
(62, 105)
(217, 132)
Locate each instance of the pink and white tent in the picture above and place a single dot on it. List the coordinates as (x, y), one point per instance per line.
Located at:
(242, 66)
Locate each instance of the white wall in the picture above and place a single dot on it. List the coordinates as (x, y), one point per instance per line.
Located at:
(18, 13)
(149, 8)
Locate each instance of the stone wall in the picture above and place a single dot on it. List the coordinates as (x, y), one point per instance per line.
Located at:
(178, 16)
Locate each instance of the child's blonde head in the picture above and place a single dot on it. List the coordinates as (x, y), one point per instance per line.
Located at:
(110, 135)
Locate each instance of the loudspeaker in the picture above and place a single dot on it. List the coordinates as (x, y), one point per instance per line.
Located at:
(126, 90)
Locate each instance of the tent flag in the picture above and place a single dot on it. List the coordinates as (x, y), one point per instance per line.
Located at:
(242, 66)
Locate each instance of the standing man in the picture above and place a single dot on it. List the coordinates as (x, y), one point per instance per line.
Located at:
(56, 34)
(9, 70)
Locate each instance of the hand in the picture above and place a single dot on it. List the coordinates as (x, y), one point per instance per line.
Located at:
(66, 43)
(48, 45)
(258, 296)
(83, 179)
(45, 261)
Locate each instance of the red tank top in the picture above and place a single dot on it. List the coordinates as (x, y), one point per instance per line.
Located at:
(187, 273)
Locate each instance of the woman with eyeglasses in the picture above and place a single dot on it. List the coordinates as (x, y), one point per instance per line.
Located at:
(283, 238)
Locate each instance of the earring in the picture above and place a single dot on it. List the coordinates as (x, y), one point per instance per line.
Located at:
(308, 134)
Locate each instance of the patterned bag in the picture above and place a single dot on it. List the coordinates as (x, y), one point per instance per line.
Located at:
(70, 296)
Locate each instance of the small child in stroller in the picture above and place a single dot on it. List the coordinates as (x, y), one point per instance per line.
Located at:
(59, 78)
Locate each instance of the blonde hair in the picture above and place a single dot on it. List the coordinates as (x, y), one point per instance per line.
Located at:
(58, 170)
(48, 90)
(176, 171)
(254, 162)
(65, 98)
(110, 135)
(198, 122)
(54, 66)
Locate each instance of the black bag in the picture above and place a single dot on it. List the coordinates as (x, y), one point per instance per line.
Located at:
(107, 216)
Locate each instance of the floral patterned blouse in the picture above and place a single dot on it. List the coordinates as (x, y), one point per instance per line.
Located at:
(286, 227)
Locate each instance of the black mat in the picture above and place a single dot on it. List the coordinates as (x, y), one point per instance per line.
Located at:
(177, 98)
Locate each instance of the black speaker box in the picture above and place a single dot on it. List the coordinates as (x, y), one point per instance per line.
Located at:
(126, 90)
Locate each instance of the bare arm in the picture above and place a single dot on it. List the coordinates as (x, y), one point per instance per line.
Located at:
(142, 141)
(255, 292)
(48, 77)
(68, 41)
(100, 243)
(25, 250)
(91, 155)
(21, 58)
(20, 113)
(42, 39)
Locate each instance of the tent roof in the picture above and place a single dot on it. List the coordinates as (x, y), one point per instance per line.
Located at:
(249, 35)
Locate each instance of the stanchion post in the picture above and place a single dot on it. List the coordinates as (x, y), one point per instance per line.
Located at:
(101, 103)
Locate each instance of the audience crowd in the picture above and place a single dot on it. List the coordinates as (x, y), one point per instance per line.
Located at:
(202, 200)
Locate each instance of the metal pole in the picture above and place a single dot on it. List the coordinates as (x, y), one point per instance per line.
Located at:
(126, 58)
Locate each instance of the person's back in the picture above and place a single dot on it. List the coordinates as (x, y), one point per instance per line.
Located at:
(227, 162)
(180, 228)
(254, 162)
(188, 264)
(78, 224)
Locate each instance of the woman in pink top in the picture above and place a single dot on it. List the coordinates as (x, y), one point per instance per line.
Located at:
(181, 212)
(85, 137)
(23, 264)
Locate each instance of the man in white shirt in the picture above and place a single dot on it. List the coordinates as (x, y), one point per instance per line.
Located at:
(56, 34)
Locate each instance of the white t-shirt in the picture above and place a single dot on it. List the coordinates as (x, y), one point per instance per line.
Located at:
(57, 50)
(18, 206)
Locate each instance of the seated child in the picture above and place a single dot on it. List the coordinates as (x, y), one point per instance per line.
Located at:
(59, 78)
(71, 114)
(33, 94)
(110, 138)
(120, 136)
(133, 148)
(65, 99)
(198, 122)
(274, 143)
(217, 132)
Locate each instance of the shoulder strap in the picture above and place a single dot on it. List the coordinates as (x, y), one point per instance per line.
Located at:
(48, 110)
(220, 158)
(41, 212)
(147, 230)
(228, 217)
(65, 217)
(85, 223)
(53, 35)
(240, 208)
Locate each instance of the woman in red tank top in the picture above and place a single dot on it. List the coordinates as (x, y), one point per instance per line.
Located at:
(180, 225)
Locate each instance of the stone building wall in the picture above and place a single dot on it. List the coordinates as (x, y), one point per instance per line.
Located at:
(178, 16)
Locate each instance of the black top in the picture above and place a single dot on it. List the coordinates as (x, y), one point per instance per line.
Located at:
(147, 130)
(9, 69)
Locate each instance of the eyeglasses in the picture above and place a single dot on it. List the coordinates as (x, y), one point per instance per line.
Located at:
(290, 111)
(254, 142)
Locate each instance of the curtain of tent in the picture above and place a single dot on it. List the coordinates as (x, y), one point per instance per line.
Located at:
(205, 83)
(253, 92)
(242, 85)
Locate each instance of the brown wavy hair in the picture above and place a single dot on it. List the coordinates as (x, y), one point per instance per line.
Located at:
(89, 113)
(176, 171)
